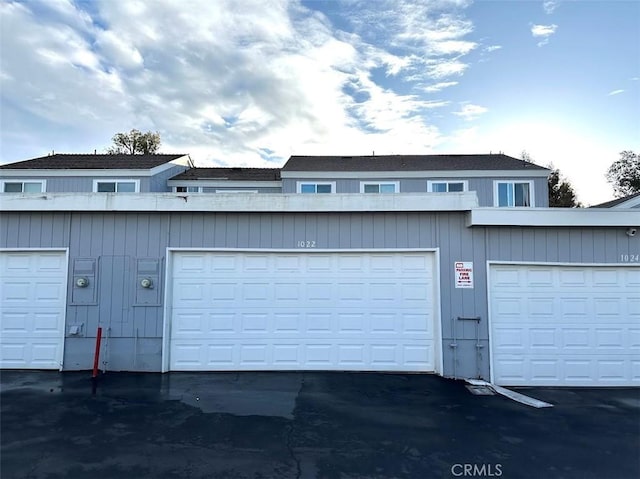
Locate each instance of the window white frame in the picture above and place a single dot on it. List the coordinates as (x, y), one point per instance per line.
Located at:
(430, 183)
(395, 184)
(196, 189)
(43, 184)
(512, 183)
(299, 185)
(136, 183)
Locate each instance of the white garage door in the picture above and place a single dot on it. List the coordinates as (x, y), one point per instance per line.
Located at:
(32, 312)
(565, 326)
(310, 311)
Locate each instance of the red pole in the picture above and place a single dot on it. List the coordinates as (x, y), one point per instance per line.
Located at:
(96, 356)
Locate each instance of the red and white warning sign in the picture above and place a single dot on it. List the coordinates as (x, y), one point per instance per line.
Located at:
(464, 274)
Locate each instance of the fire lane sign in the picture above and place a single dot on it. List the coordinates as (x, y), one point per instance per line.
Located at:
(464, 274)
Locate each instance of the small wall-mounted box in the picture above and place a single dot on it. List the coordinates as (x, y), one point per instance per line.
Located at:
(84, 288)
(147, 282)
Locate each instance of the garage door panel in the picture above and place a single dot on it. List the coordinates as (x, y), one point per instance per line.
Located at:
(254, 323)
(631, 277)
(314, 323)
(576, 339)
(348, 311)
(36, 322)
(633, 309)
(31, 354)
(29, 264)
(317, 322)
(32, 309)
(323, 355)
(189, 263)
(585, 371)
(418, 355)
(554, 325)
(351, 323)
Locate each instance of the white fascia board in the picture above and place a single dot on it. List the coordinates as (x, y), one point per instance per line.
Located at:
(225, 183)
(397, 175)
(556, 217)
(128, 173)
(177, 202)
(180, 161)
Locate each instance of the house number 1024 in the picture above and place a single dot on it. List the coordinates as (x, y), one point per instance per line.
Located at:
(630, 258)
(306, 244)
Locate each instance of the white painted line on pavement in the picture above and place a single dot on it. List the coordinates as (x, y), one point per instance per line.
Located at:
(521, 398)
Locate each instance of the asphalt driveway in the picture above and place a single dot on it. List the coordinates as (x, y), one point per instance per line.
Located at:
(330, 425)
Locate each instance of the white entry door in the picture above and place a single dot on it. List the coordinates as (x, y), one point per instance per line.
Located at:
(302, 311)
(32, 312)
(565, 325)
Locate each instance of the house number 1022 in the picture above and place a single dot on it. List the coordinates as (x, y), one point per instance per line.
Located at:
(306, 244)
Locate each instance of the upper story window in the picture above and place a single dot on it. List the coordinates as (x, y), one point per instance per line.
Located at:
(379, 187)
(116, 186)
(513, 193)
(188, 189)
(23, 186)
(446, 186)
(316, 187)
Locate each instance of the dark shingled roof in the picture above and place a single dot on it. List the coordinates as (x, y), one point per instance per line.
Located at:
(250, 174)
(92, 162)
(407, 163)
(616, 202)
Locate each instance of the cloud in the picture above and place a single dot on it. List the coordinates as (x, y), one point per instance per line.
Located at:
(544, 32)
(438, 70)
(549, 6)
(469, 111)
(615, 92)
(439, 86)
(225, 81)
(429, 36)
(492, 48)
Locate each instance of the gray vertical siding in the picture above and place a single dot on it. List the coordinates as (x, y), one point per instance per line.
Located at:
(84, 184)
(158, 183)
(118, 243)
(482, 186)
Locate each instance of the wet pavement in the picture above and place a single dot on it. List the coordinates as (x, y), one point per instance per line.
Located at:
(328, 425)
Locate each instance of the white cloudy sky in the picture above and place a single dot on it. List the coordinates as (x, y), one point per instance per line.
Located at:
(250, 82)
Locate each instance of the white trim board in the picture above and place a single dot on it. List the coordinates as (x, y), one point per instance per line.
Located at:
(526, 216)
(273, 203)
